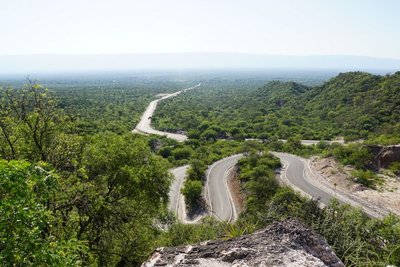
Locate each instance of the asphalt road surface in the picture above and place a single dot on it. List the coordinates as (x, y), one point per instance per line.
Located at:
(176, 200)
(219, 199)
(295, 172)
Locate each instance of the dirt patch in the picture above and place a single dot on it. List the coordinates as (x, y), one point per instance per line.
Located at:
(386, 196)
(235, 190)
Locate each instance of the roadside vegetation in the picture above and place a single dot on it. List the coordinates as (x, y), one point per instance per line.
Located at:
(355, 105)
(357, 239)
(74, 197)
(78, 189)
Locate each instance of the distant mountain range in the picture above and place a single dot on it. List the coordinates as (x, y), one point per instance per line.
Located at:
(31, 64)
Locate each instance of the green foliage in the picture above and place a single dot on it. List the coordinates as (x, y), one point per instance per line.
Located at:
(354, 154)
(232, 230)
(197, 170)
(101, 196)
(27, 225)
(395, 168)
(98, 104)
(123, 188)
(192, 192)
(182, 153)
(366, 177)
(357, 239)
(28, 122)
(183, 234)
(388, 134)
(258, 178)
(354, 105)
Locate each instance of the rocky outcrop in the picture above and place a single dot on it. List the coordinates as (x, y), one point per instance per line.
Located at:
(287, 243)
(385, 155)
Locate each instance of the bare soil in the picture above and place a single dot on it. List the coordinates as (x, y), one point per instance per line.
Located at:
(235, 189)
(386, 196)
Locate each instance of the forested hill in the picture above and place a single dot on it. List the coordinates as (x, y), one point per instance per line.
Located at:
(353, 104)
(276, 93)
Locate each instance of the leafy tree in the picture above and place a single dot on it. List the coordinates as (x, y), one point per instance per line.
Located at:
(28, 121)
(28, 229)
(192, 192)
(122, 189)
(197, 170)
(182, 153)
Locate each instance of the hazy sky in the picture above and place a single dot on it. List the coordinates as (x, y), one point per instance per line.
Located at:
(285, 27)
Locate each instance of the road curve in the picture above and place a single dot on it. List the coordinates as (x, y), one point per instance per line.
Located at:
(176, 200)
(298, 174)
(219, 199)
(144, 125)
(295, 172)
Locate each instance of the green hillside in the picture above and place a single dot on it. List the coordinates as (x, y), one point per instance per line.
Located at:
(353, 104)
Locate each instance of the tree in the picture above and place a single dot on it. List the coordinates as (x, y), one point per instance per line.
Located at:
(118, 194)
(182, 153)
(192, 192)
(196, 170)
(28, 121)
(28, 229)
(209, 134)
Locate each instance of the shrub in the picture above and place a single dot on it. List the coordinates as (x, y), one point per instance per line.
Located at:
(395, 168)
(182, 153)
(192, 192)
(365, 177)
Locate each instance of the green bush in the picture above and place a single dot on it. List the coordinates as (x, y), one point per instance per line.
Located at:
(27, 228)
(365, 177)
(182, 153)
(395, 168)
(192, 192)
(355, 154)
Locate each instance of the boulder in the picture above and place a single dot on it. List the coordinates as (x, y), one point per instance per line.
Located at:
(286, 243)
(385, 155)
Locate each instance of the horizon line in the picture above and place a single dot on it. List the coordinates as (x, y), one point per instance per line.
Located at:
(185, 53)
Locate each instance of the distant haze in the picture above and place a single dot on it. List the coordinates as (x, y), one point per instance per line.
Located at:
(31, 64)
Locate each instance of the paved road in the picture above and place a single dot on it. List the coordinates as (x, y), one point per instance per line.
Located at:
(144, 126)
(176, 200)
(295, 172)
(314, 142)
(303, 142)
(219, 199)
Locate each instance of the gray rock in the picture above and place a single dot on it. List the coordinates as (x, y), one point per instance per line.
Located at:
(286, 243)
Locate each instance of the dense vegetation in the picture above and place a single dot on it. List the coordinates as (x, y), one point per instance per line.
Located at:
(357, 239)
(71, 197)
(353, 105)
(103, 105)
(77, 188)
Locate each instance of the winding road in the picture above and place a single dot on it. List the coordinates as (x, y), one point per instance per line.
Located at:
(295, 173)
(219, 199)
(144, 126)
(176, 200)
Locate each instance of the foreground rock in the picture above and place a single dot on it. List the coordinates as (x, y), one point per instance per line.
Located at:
(286, 243)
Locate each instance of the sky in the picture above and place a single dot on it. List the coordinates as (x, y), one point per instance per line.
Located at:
(273, 27)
